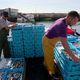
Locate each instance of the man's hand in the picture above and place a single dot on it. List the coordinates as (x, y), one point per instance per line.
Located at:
(12, 25)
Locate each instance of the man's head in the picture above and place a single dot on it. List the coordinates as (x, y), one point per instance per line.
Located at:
(72, 18)
(5, 15)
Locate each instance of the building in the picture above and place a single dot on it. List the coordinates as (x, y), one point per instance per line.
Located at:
(12, 12)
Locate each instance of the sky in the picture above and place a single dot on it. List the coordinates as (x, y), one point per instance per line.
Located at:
(41, 6)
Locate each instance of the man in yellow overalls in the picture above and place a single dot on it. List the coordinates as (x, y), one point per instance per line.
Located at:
(57, 32)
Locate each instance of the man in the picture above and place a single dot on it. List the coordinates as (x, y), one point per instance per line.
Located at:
(4, 31)
(57, 32)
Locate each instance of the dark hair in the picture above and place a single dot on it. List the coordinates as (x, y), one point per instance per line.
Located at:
(5, 14)
(73, 14)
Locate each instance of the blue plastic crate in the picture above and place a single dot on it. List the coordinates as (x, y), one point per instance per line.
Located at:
(71, 38)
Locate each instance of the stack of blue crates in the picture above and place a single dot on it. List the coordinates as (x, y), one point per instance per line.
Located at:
(70, 70)
(38, 34)
(17, 42)
(28, 41)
